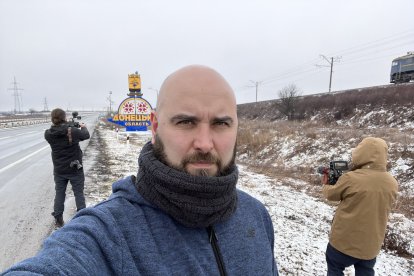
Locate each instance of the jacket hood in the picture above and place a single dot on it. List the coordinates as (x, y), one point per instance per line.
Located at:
(370, 153)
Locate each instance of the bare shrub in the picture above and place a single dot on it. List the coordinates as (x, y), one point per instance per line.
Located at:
(393, 242)
(288, 101)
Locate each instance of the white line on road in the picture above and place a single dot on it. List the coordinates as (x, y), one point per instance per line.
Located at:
(24, 158)
(19, 135)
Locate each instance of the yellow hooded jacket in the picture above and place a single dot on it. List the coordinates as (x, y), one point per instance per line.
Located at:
(366, 196)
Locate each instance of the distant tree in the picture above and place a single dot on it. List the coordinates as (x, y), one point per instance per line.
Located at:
(32, 111)
(288, 100)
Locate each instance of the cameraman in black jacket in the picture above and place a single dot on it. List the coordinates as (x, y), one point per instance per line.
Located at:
(64, 141)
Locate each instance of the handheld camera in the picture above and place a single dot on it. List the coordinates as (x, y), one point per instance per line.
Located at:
(72, 122)
(335, 170)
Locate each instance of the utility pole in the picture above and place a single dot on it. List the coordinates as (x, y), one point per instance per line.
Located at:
(17, 96)
(110, 102)
(156, 90)
(45, 107)
(256, 84)
(331, 61)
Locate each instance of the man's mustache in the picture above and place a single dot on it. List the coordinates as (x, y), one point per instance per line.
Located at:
(201, 157)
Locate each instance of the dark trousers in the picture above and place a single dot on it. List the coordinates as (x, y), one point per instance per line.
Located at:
(77, 180)
(338, 261)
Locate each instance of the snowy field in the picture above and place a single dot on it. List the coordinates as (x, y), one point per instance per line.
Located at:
(301, 223)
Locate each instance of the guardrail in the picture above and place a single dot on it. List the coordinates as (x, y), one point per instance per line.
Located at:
(8, 123)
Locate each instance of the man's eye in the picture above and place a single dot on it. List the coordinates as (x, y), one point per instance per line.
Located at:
(222, 123)
(185, 122)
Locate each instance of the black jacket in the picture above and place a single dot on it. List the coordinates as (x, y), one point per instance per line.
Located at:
(64, 152)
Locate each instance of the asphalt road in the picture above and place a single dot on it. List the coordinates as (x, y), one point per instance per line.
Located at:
(27, 190)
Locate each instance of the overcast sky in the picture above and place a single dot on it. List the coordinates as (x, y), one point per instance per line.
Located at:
(72, 53)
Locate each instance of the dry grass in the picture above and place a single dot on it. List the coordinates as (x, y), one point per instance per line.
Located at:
(260, 141)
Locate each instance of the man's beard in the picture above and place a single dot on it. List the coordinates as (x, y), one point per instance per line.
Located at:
(159, 153)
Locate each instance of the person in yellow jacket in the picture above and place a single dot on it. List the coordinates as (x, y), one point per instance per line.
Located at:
(366, 194)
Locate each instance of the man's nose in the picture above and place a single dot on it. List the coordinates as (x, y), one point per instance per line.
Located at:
(203, 140)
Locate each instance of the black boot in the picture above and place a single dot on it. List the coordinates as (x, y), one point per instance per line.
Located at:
(59, 221)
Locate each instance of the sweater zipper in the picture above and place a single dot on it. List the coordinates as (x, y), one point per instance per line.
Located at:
(213, 241)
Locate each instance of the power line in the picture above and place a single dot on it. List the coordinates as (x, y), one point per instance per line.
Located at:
(355, 49)
(382, 50)
(293, 70)
(369, 45)
(256, 84)
(289, 74)
(368, 59)
(330, 61)
(17, 96)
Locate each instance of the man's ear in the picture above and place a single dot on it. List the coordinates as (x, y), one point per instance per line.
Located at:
(154, 125)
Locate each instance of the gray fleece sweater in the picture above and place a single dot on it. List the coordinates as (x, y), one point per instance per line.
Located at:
(126, 235)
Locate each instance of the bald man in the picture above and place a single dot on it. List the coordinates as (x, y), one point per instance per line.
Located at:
(182, 214)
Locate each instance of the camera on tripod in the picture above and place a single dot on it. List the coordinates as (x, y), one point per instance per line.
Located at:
(72, 122)
(335, 170)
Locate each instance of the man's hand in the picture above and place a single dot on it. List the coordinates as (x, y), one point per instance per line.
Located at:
(324, 179)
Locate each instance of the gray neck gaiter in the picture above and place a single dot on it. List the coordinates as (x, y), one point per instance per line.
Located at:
(194, 201)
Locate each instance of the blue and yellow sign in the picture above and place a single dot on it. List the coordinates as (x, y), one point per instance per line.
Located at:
(134, 113)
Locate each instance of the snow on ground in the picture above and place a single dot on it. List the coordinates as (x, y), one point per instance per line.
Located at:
(301, 223)
(113, 156)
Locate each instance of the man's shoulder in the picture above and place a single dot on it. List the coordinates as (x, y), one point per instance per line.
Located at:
(249, 202)
(57, 128)
(55, 133)
(123, 190)
(246, 196)
(125, 208)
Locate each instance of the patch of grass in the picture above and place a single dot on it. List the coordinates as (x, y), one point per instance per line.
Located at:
(261, 141)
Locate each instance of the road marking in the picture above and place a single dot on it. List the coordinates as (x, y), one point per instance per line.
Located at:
(21, 160)
(19, 135)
